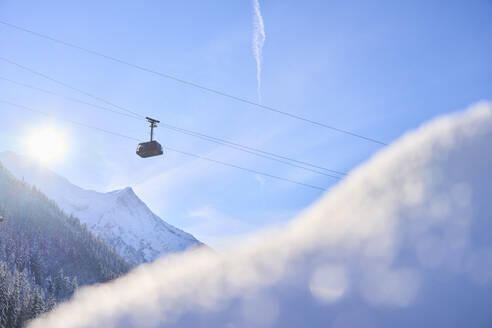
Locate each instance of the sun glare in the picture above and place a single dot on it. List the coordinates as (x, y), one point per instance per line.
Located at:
(46, 145)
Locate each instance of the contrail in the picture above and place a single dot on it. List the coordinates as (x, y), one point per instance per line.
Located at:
(258, 41)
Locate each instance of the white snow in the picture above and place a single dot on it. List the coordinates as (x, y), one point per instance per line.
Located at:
(118, 217)
(405, 240)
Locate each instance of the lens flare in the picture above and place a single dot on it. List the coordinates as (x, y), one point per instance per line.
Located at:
(46, 145)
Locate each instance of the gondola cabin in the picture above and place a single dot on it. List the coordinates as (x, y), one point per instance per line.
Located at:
(152, 147)
(149, 149)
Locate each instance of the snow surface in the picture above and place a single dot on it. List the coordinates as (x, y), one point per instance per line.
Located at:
(404, 241)
(118, 217)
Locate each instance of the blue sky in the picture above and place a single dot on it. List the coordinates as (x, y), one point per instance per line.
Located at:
(377, 68)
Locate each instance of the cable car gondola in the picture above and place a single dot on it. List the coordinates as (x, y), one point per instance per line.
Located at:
(152, 147)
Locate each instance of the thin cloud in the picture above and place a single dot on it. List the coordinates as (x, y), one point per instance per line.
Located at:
(216, 229)
(408, 230)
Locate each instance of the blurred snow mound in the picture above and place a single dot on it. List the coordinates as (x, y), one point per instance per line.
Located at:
(404, 241)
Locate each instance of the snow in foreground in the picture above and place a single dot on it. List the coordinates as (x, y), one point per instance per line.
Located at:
(404, 241)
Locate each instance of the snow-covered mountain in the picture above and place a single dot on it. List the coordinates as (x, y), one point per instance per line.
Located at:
(44, 254)
(119, 217)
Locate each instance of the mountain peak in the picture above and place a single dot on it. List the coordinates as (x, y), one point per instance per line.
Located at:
(125, 192)
(128, 191)
(118, 217)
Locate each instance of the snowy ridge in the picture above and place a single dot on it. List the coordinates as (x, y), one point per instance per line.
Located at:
(118, 217)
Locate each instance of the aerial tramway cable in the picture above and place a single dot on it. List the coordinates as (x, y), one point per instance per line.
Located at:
(205, 158)
(193, 84)
(68, 86)
(257, 152)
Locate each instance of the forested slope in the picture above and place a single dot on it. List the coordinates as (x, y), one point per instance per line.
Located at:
(44, 254)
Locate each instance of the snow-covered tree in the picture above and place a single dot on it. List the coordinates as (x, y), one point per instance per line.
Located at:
(44, 254)
(4, 295)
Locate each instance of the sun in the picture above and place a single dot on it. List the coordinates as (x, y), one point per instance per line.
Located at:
(46, 144)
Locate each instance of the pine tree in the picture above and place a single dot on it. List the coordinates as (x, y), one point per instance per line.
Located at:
(4, 296)
(59, 285)
(25, 298)
(50, 303)
(15, 300)
(73, 285)
(37, 304)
